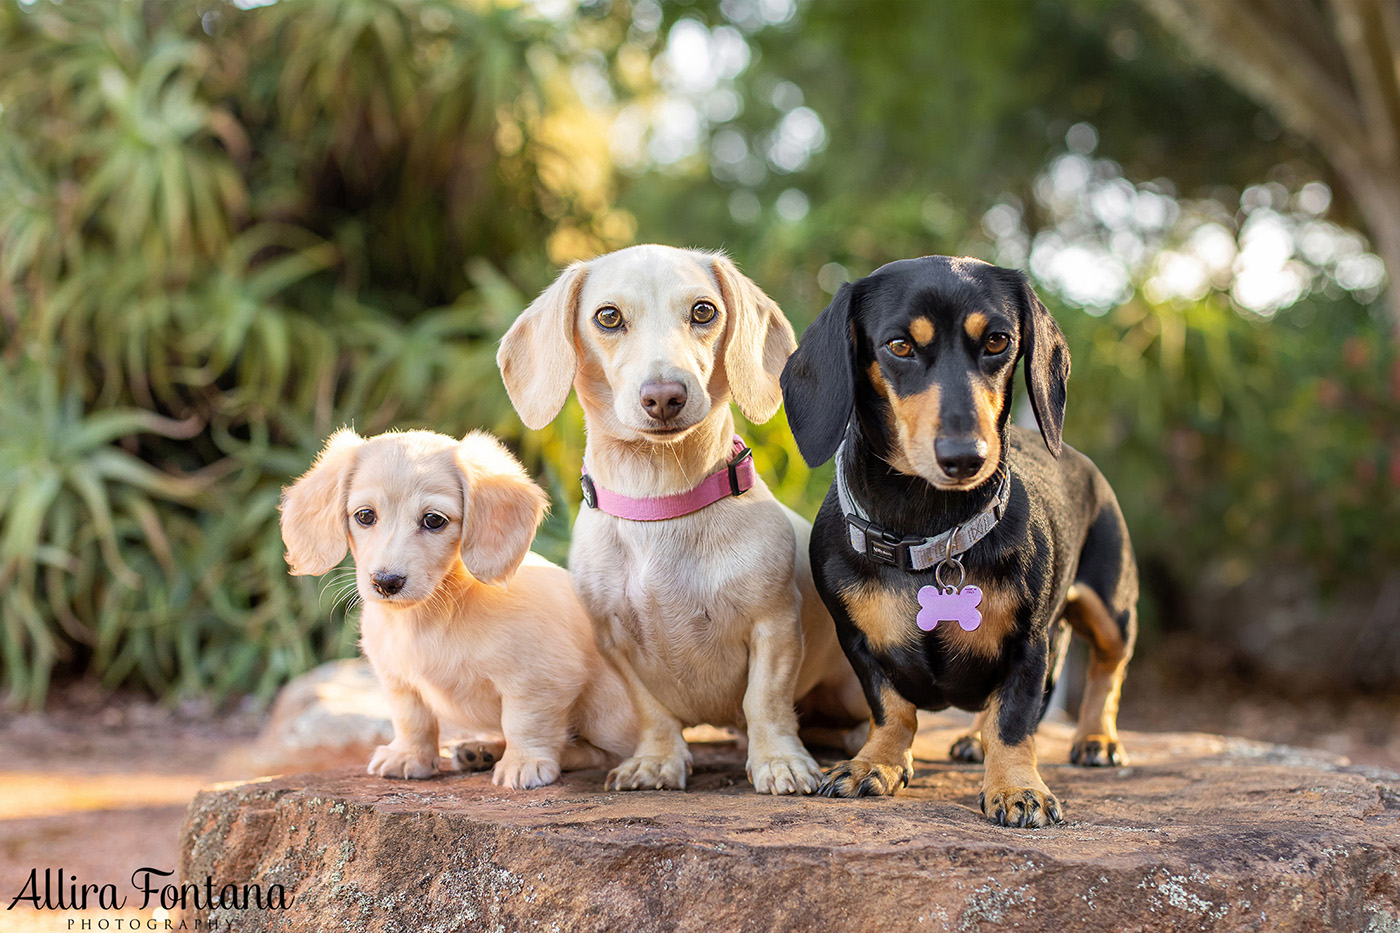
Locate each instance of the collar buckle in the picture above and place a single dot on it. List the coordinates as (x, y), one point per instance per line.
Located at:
(733, 466)
(590, 492)
(884, 546)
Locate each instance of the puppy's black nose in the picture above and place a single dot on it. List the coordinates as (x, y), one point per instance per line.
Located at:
(387, 584)
(663, 400)
(960, 457)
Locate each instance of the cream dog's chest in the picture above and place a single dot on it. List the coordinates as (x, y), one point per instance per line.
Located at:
(681, 602)
(453, 685)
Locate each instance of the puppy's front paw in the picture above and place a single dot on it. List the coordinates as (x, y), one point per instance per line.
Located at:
(395, 761)
(648, 772)
(1021, 807)
(861, 778)
(785, 774)
(474, 755)
(968, 748)
(519, 772)
(1097, 751)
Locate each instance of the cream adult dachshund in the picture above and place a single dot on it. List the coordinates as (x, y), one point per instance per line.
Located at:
(711, 616)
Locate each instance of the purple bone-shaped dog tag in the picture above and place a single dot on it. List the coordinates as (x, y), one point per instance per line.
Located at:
(958, 606)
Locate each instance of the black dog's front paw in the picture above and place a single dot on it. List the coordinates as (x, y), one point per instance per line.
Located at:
(968, 749)
(1021, 807)
(859, 778)
(1097, 751)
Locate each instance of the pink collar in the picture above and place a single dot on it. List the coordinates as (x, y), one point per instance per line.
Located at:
(737, 478)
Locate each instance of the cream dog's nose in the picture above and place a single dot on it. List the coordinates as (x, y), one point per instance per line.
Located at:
(663, 400)
(387, 584)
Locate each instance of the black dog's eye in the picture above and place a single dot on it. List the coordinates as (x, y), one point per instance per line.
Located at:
(609, 318)
(365, 517)
(900, 348)
(433, 521)
(702, 313)
(996, 343)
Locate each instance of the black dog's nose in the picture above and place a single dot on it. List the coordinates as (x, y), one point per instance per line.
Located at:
(663, 400)
(387, 584)
(960, 457)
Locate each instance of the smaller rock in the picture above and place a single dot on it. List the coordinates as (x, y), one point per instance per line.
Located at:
(331, 717)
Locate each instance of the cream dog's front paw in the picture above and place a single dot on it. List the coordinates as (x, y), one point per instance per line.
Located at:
(396, 761)
(790, 773)
(521, 772)
(649, 772)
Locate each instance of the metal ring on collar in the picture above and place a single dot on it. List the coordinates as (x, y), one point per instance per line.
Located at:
(938, 574)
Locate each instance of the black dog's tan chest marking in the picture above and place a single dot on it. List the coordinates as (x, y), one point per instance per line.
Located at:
(887, 617)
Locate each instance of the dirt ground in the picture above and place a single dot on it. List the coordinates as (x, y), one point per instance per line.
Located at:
(98, 784)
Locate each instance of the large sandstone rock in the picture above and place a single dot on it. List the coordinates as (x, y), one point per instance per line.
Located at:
(1201, 833)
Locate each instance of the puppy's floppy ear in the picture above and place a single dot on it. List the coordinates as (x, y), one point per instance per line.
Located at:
(537, 355)
(1046, 356)
(313, 508)
(503, 508)
(759, 342)
(819, 381)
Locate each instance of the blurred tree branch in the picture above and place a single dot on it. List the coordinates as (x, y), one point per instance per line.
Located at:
(1330, 70)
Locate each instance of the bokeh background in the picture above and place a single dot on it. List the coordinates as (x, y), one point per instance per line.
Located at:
(227, 228)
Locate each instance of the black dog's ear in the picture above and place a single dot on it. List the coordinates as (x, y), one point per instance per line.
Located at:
(1046, 356)
(819, 381)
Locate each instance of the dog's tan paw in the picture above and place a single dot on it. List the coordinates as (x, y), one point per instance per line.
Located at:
(968, 748)
(393, 761)
(1097, 751)
(785, 774)
(861, 778)
(1021, 807)
(473, 754)
(519, 772)
(648, 773)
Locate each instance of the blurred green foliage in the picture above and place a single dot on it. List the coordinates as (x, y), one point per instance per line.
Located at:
(224, 232)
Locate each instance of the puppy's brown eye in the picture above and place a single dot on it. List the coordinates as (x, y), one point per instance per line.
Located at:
(702, 313)
(433, 521)
(365, 517)
(901, 348)
(996, 343)
(609, 318)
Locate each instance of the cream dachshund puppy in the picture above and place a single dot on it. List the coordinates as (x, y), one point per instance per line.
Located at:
(711, 615)
(458, 623)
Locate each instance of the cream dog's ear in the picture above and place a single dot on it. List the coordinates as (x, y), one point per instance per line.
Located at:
(503, 508)
(537, 355)
(758, 343)
(313, 508)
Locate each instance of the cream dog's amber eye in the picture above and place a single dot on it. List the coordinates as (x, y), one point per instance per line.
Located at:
(611, 318)
(433, 521)
(365, 517)
(901, 348)
(997, 343)
(703, 312)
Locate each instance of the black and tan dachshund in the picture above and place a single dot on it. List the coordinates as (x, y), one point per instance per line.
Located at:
(906, 378)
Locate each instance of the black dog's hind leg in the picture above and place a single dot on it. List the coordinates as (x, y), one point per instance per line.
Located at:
(1102, 608)
(969, 747)
(1096, 738)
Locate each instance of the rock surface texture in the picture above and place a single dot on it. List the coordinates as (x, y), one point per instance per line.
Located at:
(1200, 833)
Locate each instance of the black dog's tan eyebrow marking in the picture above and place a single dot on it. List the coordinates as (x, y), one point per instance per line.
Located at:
(921, 329)
(975, 324)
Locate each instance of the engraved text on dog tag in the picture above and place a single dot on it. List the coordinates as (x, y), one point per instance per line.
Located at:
(949, 605)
